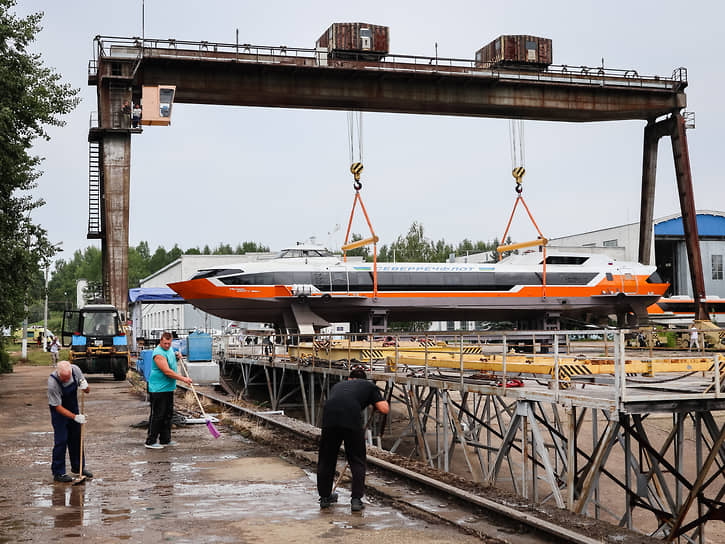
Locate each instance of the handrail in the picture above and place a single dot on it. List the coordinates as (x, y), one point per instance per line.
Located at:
(460, 358)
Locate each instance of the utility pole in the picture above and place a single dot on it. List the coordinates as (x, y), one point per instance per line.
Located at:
(45, 313)
(24, 352)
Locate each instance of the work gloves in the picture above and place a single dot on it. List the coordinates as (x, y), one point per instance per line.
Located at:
(79, 418)
(83, 384)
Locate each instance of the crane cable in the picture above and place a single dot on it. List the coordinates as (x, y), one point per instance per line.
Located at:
(518, 159)
(355, 128)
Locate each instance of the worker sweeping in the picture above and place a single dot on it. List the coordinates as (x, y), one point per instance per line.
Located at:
(341, 422)
(63, 385)
(162, 385)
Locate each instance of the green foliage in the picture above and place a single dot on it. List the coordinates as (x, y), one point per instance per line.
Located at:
(415, 247)
(32, 97)
(142, 263)
(5, 365)
(86, 265)
(409, 326)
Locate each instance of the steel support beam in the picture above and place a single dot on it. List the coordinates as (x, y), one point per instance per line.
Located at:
(294, 86)
(689, 214)
(649, 171)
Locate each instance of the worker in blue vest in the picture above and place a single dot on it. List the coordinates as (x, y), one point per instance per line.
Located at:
(63, 385)
(162, 384)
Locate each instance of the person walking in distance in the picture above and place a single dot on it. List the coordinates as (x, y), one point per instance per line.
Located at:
(63, 386)
(342, 422)
(694, 340)
(54, 348)
(162, 384)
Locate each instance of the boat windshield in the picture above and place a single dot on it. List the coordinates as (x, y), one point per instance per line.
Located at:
(296, 253)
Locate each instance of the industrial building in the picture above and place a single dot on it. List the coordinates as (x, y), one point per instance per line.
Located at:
(150, 319)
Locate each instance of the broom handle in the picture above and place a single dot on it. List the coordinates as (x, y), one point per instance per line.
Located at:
(83, 403)
(183, 366)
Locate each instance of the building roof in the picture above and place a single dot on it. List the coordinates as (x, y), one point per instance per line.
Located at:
(709, 223)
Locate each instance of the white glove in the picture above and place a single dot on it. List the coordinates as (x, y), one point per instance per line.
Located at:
(83, 384)
(79, 418)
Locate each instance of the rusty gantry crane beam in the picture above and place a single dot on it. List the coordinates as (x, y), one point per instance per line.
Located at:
(245, 75)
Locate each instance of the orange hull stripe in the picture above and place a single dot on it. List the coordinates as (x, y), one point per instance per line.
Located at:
(203, 288)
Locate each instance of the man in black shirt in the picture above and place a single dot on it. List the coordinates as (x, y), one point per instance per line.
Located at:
(342, 422)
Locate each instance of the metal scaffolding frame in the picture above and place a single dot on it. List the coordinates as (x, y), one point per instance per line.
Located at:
(546, 443)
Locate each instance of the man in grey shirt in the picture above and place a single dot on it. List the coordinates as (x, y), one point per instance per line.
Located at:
(63, 385)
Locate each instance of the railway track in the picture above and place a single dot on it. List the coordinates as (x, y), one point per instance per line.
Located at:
(471, 512)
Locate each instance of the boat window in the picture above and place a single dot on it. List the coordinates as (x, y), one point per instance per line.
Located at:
(214, 272)
(296, 253)
(610, 277)
(654, 278)
(290, 253)
(565, 259)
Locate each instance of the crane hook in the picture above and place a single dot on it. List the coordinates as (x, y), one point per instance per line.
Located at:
(518, 174)
(356, 168)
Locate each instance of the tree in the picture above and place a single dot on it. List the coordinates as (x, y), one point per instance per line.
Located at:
(31, 98)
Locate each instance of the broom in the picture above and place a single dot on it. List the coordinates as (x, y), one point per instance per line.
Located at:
(209, 425)
(81, 477)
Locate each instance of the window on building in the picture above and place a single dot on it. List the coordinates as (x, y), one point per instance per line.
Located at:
(610, 243)
(450, 325)
(717, 267)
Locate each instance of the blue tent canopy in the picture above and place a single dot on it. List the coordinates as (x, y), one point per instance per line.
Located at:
(154, 295)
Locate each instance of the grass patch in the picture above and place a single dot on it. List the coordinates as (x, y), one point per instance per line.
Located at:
(36, 355)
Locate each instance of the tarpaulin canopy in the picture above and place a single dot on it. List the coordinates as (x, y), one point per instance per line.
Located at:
(154, 295)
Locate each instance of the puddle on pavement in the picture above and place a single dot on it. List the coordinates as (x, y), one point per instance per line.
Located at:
(252, 469)
(68, 506)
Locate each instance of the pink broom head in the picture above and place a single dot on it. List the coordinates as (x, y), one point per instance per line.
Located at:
(212, 429)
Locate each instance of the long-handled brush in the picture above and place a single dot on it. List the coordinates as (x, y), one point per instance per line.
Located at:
(212, 429)
(81, 477)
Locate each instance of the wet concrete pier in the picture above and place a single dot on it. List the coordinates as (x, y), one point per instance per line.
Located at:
(202, 490)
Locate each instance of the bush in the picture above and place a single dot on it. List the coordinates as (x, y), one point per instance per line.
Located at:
(5, 365)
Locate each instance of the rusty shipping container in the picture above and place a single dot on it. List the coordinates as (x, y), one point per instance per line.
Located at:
(522, 51)
(355, 41)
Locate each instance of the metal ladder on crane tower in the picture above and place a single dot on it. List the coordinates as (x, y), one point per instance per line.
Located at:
(95, 186)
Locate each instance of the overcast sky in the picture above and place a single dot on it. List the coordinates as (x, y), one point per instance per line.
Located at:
(277, 176)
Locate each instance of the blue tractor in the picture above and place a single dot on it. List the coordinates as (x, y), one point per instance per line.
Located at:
(97, 340)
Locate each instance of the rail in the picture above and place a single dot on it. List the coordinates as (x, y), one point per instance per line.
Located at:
(136, 48)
